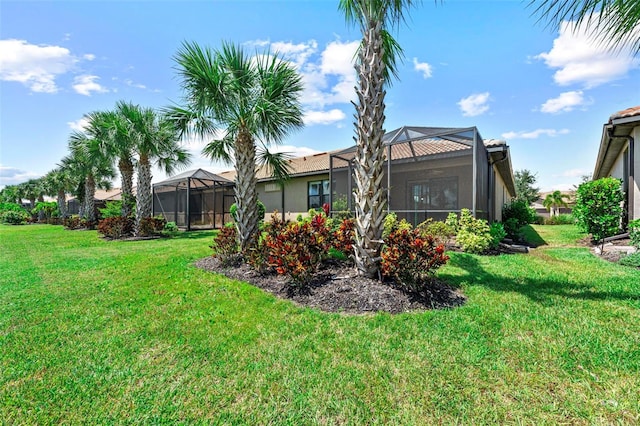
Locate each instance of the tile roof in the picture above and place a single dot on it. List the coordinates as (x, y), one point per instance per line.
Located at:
(629, 112)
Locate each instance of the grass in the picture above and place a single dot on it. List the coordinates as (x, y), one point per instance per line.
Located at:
(129, 332)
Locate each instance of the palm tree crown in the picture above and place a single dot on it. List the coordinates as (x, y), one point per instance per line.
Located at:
(240, 101)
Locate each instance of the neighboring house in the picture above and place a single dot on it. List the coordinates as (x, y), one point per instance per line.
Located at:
(541, 210)
(100, 199)
(619, 156)
(433, 171)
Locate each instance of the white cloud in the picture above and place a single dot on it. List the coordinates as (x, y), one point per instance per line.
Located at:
(131, 83)
(323, 117)
(575, 173)
(294, 151)
(86, 84)
(89, 56)
(79, 125)
(422, 67)
(566, 102)
(564, 187)
(35, 66)
(580, 59)
(14, 176)
(534, 134)
(475, 104)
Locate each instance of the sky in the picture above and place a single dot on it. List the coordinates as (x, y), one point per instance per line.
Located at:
(488, 64)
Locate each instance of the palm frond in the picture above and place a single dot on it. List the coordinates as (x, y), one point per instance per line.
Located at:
(277, 163)
(220, 149)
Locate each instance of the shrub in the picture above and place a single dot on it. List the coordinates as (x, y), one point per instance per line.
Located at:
(116, 227)
(47, 208)
(391, 224)
(598, 208)
(170, 229)
(112, 209)
(14, 217)
(411, 258)
(497, 232)
(151, 226)
(225, 245)
(632, 259)
(12, 207)
(262, 210)
(634, 233)
(439, 230)
(344, 237)
(561, 219)
(473, 234)
(76, 222)
(258, 254)
(297, 249)
(452, 222)
(340, 207)
(521, 212)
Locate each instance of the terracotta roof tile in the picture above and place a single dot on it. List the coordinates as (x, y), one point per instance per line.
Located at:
(629, 112)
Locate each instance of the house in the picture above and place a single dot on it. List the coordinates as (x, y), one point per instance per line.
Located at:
(432, 172)
(101, 197)
(619, 158)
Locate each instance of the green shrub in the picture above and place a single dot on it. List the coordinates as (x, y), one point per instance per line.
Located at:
(12, 207)
(437, 229)
(632, 259)
(116, 227)
(262, 210)
(391, 224)
(634, 233)
(452, 222)
(340, 207)
(14, 217)
(561, 219)
(411, 258)
(497, 232)
(170, 229)
(47, 208)
(540, 220)
(112, 209)
(473, 234)
(523, 215)
(598, 208)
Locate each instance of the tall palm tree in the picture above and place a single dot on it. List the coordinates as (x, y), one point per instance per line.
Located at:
(375, 63)
(114, 132)
(616, 22)
(92, 167)
(10, 194)
(156, 142)
(554, 201)
(57, 183)
(254, 101)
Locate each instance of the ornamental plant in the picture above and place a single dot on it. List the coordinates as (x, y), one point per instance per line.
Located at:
(411, 258)
(598, 208)
(225, 245)
(152, 226)
(344, 237)
(297, 250)
(474, 235)
(116, 227)
(634, 233)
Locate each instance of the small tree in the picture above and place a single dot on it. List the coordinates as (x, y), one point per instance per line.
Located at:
(525, 189)
(598, 208)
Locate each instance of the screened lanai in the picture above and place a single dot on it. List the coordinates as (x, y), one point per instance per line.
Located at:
(433, 171)
(196, 199)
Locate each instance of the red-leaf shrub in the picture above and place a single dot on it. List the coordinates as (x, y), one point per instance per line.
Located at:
(344, 237)
(297, 249)
(76, 222)
(411, 258)
(151, 226)
(225, 245)
(258, 254)
(116, 227)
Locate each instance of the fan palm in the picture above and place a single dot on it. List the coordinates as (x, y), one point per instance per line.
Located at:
(91, 167)
(254, 101)
(57, 183)
(554, 201)
(616, 23)
(375, 64)
(155, 140)
(10, 194)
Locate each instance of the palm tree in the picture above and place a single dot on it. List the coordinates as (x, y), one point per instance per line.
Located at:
(57, 183)
(554, 201)
(254, 101)
(617, 22)
(91, 167)
(156, 142)
(113, 130)
(10, 194)
(376, 62)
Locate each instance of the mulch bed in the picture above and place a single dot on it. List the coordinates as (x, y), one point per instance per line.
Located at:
(336, 287)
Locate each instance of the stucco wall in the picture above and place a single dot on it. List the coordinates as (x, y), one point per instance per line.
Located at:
(502, 196)
(636, 184)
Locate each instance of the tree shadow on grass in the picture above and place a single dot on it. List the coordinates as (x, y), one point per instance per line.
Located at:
(194, 235)
(545, 291)
(532, 237)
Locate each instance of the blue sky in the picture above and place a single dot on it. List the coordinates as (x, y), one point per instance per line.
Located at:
(467, 63)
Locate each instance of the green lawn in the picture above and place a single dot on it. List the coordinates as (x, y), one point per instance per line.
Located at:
(129, 332)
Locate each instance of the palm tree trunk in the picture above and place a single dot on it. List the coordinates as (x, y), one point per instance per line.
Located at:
(89, 199)
(126, 174)
(41, 214)
(245, 190)
(62, 204)
(370, 199)
(143, 193)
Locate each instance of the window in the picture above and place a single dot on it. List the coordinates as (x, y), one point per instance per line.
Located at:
(318, 193)
(434, 194)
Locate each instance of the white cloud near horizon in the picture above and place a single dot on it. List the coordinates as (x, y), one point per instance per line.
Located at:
(13, 176)
(566, 102)
(35, 66)
(535, 134)
(581, 59)
(423, 67)
(87, 84)
(475, 104)
(323, 117)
